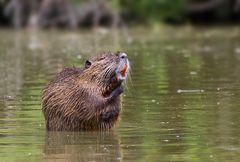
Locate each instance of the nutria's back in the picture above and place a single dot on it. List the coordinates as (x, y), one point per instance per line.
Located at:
(88, 98)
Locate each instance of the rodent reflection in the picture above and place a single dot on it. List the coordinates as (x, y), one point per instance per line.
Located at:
(82, 146)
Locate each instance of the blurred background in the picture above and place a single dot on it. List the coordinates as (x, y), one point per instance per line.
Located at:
(85, 13)
(181, 101)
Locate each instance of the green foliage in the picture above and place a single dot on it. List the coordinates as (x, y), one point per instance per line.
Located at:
(145, 10)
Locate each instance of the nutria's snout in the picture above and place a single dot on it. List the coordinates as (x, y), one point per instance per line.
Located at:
(123, 67)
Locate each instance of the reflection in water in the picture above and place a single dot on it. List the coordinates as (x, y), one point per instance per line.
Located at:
(157, 123)
(82, 146)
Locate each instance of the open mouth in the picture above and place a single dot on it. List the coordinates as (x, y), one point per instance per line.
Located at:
(122, 71)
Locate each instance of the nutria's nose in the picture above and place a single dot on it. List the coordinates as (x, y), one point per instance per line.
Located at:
(123, 55)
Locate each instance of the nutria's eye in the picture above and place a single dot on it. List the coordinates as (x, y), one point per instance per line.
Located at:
(87, 64)
(123, 55)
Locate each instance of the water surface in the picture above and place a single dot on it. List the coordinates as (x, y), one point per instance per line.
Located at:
(181, 104)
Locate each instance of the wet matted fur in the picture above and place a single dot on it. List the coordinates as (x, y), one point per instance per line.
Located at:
(86, 98)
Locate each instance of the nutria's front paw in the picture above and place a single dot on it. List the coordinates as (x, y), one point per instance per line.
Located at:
(118, 90)
(106, 116)
(115, 93)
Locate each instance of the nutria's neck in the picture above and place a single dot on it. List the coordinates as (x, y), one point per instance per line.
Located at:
(104, 85)
(107, 89)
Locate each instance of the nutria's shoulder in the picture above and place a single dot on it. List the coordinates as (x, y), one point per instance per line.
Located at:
(69, 71)
(66, 74)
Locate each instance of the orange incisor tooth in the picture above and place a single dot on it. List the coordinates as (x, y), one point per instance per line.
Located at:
(124, 69)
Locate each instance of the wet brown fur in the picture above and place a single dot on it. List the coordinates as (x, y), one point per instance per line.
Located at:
(75, 99)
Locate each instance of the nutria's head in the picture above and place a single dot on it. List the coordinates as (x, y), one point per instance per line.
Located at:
(107, 70)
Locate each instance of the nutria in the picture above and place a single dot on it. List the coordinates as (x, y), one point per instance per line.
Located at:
(87, 98)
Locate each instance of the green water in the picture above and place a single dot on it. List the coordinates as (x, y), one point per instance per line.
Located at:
(180, 105)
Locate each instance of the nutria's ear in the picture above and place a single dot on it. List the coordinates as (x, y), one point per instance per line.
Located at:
(118, 52)
(87, 64)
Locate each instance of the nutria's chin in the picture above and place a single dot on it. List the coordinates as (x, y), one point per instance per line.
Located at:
(88, 98)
